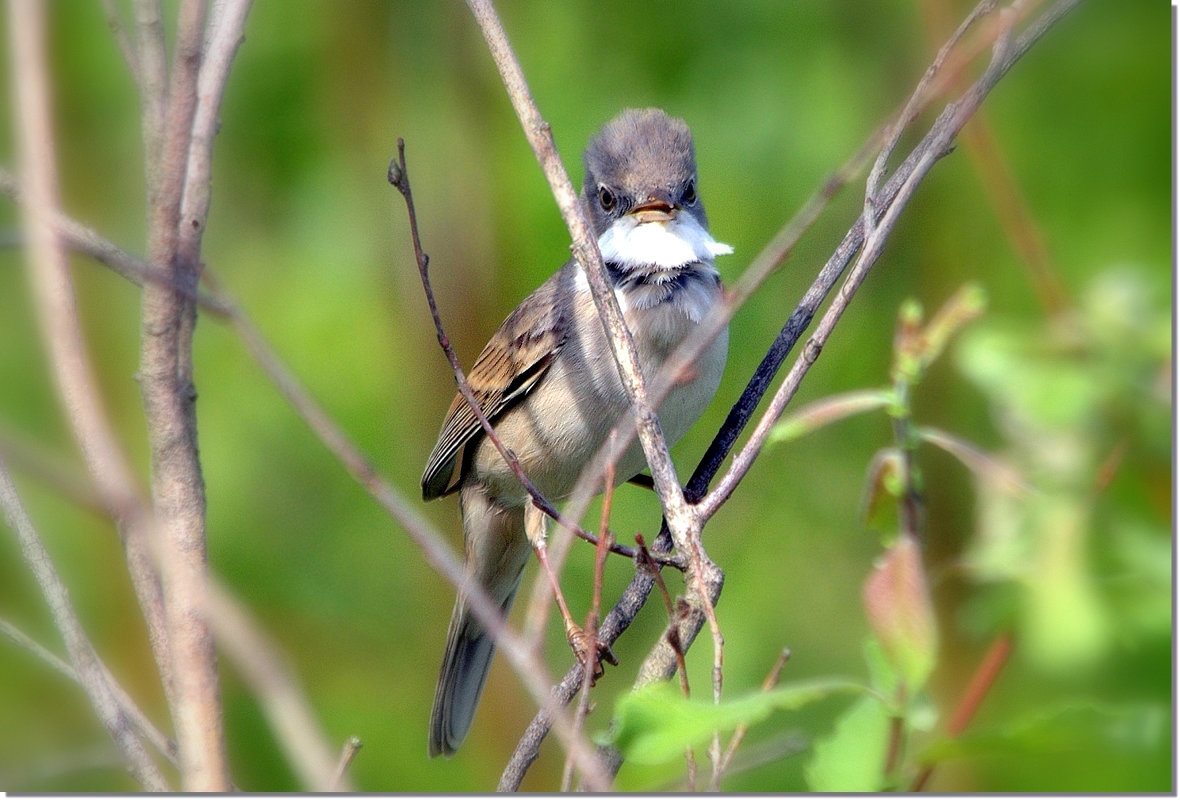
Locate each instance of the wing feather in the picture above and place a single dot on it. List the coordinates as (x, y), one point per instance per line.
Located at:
(510, 366)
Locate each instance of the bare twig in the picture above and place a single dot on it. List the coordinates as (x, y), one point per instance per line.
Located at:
(138, 720)
(1003, 191)
(84, 239)
(119, 32)
(352, 746)
(264, 669)
(935, 145)
(54, 301)
(591, 667)
(399, 177)
(92, 677)
(681, 518)
(739, 733)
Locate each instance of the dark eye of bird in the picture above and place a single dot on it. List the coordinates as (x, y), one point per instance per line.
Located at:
(606, 198)
(689, 195)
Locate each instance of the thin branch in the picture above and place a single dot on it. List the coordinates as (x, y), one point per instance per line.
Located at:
(262, 666)
(143, 726)
(57, 315)
(739, 733)
(935, 145)
(981, 683)
(909, 113)
(91, 676)
(591, 667)
(681, 518)
(126, 46)
(527, 665)
(352, 746)
(399, 177)
(86, 240)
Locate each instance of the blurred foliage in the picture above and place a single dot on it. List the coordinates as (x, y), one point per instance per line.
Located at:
(306, 233)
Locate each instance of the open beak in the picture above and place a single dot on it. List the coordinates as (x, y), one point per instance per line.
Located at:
(657, 208)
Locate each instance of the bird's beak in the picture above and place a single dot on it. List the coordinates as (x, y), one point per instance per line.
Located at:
(658, 207)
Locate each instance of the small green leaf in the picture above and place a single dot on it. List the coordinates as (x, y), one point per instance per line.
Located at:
(883, 486)
(852, 758)
(656, 723)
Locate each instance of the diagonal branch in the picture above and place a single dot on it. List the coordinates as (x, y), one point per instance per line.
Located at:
(127, 707)
(86, 667)
(681, 519)
(932, 147)
(399, 176)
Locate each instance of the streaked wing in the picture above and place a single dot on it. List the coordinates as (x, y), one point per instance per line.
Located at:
(513, 361)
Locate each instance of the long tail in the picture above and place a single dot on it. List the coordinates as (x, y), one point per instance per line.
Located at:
(497, 550)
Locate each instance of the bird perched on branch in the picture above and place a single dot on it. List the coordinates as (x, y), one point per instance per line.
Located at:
(548, 382)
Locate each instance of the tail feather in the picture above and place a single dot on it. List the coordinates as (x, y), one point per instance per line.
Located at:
(460, 681)
(497, 551)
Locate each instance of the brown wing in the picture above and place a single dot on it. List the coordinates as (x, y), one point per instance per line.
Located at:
(513, 361)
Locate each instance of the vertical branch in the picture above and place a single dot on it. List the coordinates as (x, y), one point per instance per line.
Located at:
(169, 408)
(151, 79)
(54, 301)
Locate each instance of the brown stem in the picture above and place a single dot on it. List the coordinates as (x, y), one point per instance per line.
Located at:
(977, 689)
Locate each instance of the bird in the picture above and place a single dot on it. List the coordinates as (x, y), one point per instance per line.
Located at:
(549, 385)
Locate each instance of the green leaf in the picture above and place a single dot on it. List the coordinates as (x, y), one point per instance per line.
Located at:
(656, 723)
(852, 758)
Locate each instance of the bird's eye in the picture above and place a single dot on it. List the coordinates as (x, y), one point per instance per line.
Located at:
(606, 198)
(689, 195)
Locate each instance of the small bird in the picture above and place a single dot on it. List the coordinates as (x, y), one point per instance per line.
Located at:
(548, 383)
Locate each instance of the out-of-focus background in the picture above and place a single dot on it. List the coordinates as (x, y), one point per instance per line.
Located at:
(1067, 170)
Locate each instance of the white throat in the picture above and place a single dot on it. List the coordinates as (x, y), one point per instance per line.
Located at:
(679, 241)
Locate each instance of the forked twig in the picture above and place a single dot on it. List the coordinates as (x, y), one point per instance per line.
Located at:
(86, 666)
(399, 177)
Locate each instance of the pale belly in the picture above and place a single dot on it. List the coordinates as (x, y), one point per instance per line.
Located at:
(560, 427)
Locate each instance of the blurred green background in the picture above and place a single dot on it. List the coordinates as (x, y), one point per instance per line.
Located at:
(305, 232)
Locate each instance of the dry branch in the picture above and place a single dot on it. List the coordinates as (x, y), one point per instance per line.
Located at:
(87, 669)
(887, 203)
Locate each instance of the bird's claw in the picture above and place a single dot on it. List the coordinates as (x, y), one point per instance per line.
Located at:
(588, 649)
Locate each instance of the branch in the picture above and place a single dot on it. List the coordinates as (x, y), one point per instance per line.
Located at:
(275, 685)
(86, 667)
(135, 717)
(84, 239)
(936, 144)
(936, 141)
(55, 306)
(399, 177)
(681, 519)
(178, 191)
